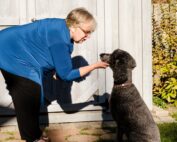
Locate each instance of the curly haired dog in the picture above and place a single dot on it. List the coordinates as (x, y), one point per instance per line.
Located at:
(128, 109)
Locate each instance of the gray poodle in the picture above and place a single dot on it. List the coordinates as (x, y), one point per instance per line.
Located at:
(128, 109)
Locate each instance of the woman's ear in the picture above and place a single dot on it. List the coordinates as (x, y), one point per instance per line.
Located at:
(72, 29)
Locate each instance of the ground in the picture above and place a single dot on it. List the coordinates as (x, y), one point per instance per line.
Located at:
(69, 132)
(83, 131)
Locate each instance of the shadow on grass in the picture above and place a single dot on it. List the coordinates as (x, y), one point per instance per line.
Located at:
(168, 132)
(110, 130)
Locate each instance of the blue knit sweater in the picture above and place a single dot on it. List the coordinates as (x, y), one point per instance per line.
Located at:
(31, 49)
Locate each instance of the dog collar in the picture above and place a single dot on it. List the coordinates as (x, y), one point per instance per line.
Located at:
(123, 85)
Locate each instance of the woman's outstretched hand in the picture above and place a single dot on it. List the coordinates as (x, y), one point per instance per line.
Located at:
(101, 64)
(87, 69)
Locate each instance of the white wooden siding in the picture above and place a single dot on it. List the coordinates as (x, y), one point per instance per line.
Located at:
(9, 12)
(121, 24)
(130, 30)
(130, 35)
(60, 8)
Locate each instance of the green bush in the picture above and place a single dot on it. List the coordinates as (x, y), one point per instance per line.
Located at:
(159, 102)
(165, 52)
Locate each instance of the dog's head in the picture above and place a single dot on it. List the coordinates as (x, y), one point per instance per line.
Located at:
(121, 62)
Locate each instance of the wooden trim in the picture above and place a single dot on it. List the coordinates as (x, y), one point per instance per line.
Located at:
(55, 107)
(147, 52)
(82, 116)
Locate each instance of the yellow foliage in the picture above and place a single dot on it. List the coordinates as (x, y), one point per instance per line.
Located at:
(165, 51)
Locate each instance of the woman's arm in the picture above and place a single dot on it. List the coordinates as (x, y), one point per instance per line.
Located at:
(87, 69)
(63, 63)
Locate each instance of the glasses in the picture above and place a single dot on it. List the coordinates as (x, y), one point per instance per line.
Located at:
(84, 31)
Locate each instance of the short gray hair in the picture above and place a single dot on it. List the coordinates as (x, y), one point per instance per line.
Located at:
(80, 15)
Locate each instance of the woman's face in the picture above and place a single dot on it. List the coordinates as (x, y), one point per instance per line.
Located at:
(80, 33)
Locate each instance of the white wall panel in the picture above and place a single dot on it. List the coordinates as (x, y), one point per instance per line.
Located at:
(9, 12)
(124, 24)
(60, 8)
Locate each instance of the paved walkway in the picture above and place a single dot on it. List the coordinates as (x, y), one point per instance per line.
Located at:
(81, 132)
(162, 116)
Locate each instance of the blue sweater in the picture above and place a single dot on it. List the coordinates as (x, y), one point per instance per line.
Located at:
(31, 49)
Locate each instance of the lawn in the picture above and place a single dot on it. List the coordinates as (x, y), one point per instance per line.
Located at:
(168, 132)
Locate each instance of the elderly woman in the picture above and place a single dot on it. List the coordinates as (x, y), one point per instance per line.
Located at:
(27, 51)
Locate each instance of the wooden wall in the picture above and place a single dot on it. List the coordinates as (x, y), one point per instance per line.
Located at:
(121, 24)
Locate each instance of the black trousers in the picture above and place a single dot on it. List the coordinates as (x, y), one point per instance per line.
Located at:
(26, 98)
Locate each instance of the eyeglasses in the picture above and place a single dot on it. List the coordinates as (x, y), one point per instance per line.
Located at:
(84, 31)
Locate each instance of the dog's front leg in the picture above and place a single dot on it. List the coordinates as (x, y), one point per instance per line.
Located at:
(119, 135)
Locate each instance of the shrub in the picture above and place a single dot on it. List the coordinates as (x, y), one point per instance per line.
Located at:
(164, 52)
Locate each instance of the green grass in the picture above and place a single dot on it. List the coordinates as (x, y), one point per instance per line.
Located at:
(174, 115)
(168, 132)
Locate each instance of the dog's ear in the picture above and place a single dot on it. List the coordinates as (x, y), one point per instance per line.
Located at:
(133, 63)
